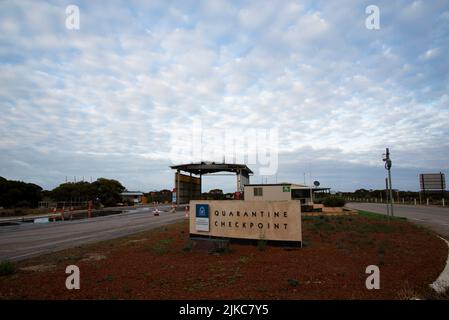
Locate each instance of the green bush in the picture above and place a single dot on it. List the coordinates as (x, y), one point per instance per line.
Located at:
(7, 268)
(333, 201)
(261, 244)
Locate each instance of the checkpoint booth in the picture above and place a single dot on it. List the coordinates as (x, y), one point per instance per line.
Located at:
(188, 178)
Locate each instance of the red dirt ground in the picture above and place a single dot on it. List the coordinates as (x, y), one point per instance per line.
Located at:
(161, 264)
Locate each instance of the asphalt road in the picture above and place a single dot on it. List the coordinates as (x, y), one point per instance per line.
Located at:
(27, 240)
(434, 218)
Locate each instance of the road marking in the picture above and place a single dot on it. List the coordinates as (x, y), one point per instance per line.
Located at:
(442, 283)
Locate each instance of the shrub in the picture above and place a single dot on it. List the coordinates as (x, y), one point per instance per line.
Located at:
(334, 201)
(188, 246)
(261, 244)
(293, 282)
(7, 268)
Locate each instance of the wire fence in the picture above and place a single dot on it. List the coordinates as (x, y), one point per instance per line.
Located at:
(403, 200)
(75, 205)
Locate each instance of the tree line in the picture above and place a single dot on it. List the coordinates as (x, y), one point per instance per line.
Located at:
(19, 194)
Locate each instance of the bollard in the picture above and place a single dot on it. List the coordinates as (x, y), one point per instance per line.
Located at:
(443, 202)
(89, 209)
(415, 201)
(427, 201)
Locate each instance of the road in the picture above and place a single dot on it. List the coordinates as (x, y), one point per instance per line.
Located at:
(434, 218)
(27, 240)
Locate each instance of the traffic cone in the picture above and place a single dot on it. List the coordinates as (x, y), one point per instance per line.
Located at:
(187, 212)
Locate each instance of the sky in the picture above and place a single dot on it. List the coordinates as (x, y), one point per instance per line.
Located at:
(117, 96)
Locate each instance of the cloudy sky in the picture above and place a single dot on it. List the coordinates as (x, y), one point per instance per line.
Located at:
(106, 100)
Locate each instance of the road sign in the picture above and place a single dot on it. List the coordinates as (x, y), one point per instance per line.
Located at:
(432, 181)
(202, 217)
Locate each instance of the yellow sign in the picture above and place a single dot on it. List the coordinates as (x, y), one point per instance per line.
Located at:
(268, 220)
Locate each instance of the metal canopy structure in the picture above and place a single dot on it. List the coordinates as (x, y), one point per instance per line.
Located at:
(189, 188)
(212, 167)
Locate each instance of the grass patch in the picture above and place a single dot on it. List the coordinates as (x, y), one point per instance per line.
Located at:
(261, 244)
(7, 268)
(160, 247)
(293, 282)
(378, 216)
(363, 224)
(244, 259)
(233, 278)
(188, 246)
(323, 225)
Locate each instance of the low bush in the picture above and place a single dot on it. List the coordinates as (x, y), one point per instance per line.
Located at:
(333, 201)
(7, 268)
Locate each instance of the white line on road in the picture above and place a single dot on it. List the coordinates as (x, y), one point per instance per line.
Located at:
(442, 283)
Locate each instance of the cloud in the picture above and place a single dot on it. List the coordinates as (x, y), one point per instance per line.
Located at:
(430, 54)
(105, 100)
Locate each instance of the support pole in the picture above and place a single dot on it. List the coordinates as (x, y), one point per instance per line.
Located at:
(386, 199)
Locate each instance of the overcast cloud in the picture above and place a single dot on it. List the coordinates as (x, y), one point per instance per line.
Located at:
(102, 101)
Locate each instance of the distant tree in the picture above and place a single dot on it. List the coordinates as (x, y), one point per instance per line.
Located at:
(214, 194)
(19, 194)
(74, 191)
(108, 191)
(159, 196)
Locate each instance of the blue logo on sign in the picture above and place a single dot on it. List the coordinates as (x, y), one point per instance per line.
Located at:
(202, 211)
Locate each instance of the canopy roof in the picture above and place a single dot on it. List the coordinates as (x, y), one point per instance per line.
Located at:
(212, 167)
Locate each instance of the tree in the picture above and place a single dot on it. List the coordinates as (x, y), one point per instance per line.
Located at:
(19, 194)
(74, 191)
(108, 191)
(159, 196)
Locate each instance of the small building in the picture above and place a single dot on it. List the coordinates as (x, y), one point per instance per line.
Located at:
(282, 191)
(132, 196)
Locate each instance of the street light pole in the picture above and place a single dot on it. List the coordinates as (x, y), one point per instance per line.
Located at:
(388, 164)
(386, 195)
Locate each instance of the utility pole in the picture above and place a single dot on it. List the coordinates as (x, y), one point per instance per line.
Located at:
(387, 160)
(386, 197)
